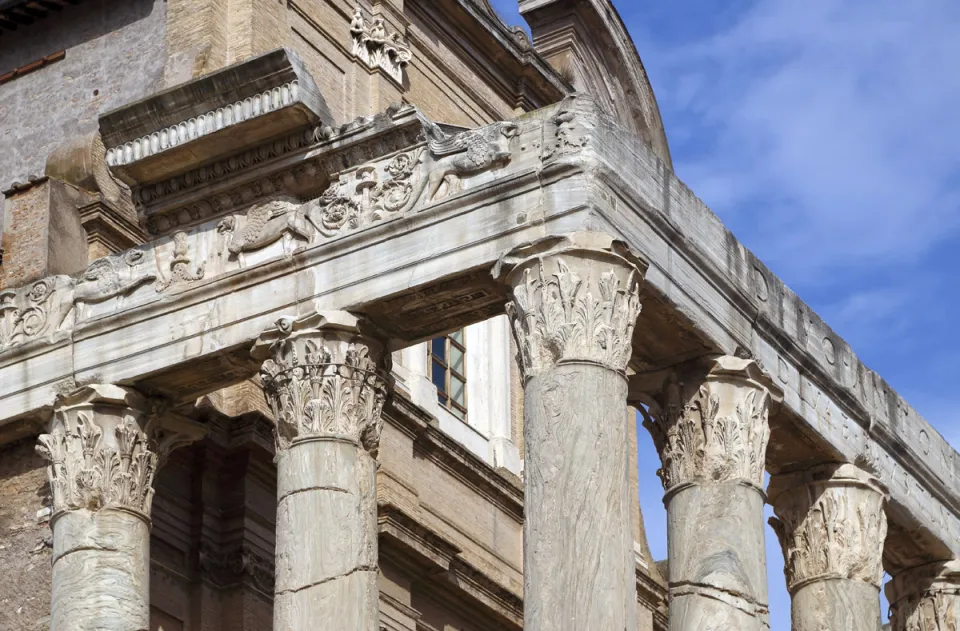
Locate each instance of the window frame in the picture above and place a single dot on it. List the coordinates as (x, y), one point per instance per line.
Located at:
(445, 395)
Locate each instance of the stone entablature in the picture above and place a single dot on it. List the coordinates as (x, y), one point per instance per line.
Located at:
(437, 278)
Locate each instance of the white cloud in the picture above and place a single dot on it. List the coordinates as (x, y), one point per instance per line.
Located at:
(826, 132)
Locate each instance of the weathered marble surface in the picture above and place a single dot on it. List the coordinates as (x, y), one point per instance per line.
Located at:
(574, 304)
(831, 525)
(926, 598)
(326, 379)
(709, 422)
(569, 168)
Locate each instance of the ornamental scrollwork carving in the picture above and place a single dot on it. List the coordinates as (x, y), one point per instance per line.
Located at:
(367, 195)
(577, 301)
(711, 428)
(375, 48)
(831, 524)
(323, 378)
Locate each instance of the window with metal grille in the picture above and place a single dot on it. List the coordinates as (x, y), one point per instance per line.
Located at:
(448, 371)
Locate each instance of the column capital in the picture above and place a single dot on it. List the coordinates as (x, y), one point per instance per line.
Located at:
(325, 375)
(709, 420)
(831, 524)
(926, 598)
(105, 445)
(575, 299)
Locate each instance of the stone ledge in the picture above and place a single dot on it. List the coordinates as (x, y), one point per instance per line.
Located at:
(195, 122)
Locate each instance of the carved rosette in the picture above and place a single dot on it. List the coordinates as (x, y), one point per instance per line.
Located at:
(831, 524)
(709, 422)
(575, 298)
(324, 377)
(105, 446)
(926, 598)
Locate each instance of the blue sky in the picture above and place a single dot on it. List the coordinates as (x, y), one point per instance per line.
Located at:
(826, 135)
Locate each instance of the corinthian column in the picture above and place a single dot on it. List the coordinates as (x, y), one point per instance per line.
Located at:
(326, 381)
(103, 450)
(575, 300)
(709, 422)
(926, 598)
(831, 526)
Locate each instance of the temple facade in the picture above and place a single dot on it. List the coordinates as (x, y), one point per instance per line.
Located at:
(335, 315)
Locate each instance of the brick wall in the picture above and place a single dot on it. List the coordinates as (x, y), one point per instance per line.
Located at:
(24, 539)
(115, 54)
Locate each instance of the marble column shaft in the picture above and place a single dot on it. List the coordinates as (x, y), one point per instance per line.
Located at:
(574, 304)
(832, 526)
(103, 450)
(926, 598)
(326, 382)
(709, 422)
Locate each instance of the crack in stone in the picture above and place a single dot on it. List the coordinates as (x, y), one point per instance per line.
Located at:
(362, 568)
(716, 593)
(315, 488)
(88, 549)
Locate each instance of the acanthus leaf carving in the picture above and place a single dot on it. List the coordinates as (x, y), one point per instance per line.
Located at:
(709, 422)
(831, 524)
(376, 49)
(572, 303)
(926, 598)
(323, 378)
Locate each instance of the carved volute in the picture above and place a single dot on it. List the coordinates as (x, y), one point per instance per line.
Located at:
(105, 445)
(709, 420)
(831, 524)
(575, 298)
(324, 377)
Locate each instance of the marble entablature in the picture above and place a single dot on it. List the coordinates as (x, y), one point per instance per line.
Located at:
(229, 274)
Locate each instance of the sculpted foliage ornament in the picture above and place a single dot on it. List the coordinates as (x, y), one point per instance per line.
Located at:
(709, 422)
(324, 378)
(831, 524)
(926, 598)
(575, 299)
(105, 446)
(376, 49)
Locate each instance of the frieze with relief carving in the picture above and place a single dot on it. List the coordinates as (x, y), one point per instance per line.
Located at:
(47, 308)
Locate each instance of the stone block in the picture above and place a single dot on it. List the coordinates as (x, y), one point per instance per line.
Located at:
(238, 107)
(42, 232)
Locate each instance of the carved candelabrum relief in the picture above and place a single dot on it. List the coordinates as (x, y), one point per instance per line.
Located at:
(573, 299)
(831, 524)
(710, 422)
(324, 377)
(375, 48)
(926, 598)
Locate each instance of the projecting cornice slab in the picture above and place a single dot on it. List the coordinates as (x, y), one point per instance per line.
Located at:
(213, 116)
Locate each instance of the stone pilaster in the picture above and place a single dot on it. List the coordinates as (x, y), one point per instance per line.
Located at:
(103, 450)
(574, 304)
(831, 525)
(926, 598)
(709, 422)
(326, 380)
